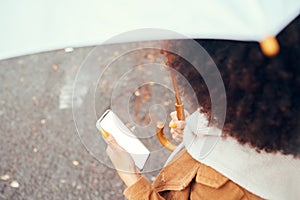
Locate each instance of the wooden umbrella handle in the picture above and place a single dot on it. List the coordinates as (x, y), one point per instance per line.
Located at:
(162, 138)
(179, 109)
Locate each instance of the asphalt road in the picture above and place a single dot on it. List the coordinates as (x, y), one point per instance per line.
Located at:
(41, 153)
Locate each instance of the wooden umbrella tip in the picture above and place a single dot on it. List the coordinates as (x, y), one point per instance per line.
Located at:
(270, 46)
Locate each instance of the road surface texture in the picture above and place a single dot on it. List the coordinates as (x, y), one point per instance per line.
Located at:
(41, 153)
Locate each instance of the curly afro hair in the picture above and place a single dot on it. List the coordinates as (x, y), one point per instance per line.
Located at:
(263, 97)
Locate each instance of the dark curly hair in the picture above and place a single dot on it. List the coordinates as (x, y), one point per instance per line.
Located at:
(263, 97)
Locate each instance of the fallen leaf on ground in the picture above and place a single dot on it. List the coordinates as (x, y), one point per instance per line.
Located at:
(137, 93)
(73, 69)
(69, 49)
(5, 177)
(151, 83)
(55, 67)
(151, 57)
(75, 163)
(14, 184)
(35, 101)
(116, 53)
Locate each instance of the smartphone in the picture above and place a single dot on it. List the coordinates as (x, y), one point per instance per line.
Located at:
(112, 124)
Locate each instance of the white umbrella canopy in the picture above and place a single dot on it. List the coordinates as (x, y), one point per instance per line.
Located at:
(34, 26)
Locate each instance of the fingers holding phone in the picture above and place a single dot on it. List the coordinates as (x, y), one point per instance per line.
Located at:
(122, 160)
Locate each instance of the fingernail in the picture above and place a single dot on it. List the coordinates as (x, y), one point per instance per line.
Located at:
(172, 125)
(104, 133)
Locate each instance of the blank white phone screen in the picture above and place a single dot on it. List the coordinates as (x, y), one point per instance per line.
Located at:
(111, 123)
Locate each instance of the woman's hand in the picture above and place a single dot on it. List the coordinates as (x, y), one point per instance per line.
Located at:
(177, 126)
(122, 161)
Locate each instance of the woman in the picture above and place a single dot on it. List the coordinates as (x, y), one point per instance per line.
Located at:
(258, 155)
